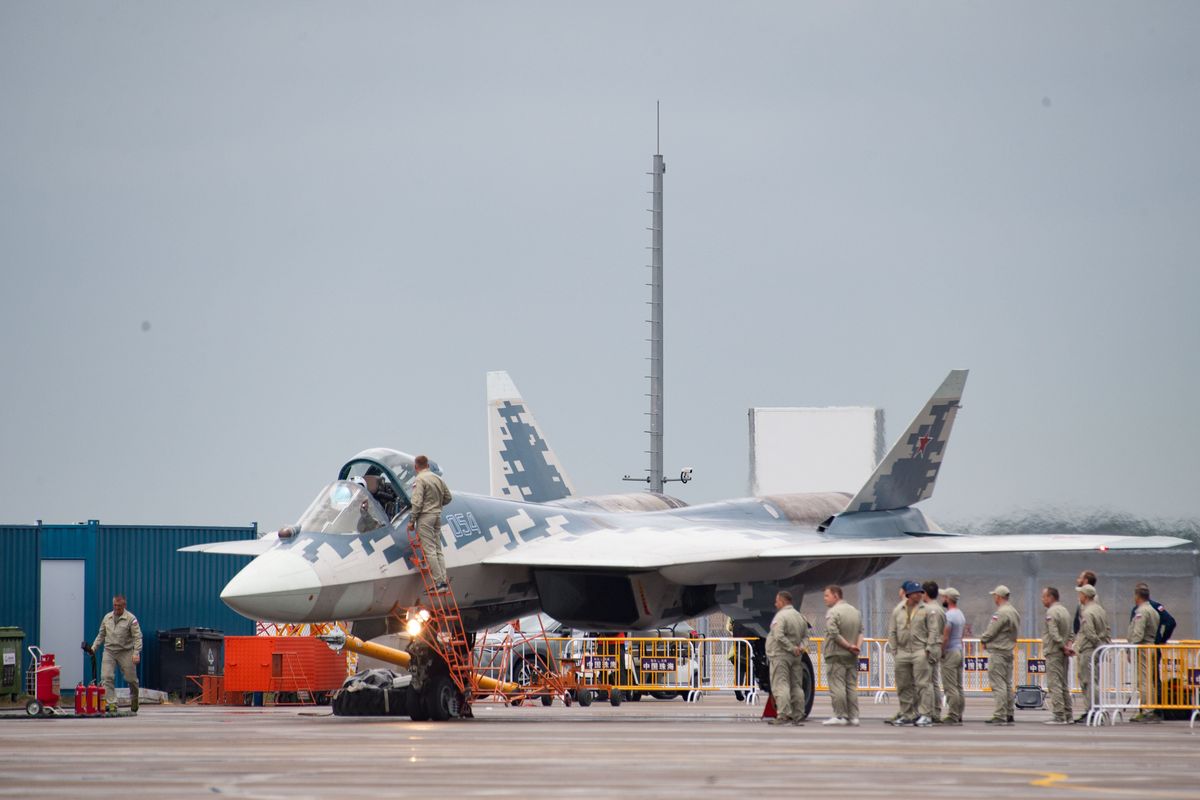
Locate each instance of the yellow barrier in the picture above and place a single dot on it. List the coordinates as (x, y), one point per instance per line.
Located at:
(876, 671)
(660, 666)
(1144, 677)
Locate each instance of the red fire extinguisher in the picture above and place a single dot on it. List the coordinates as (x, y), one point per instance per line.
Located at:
(47, 688)
(80, 699)
(94, 701)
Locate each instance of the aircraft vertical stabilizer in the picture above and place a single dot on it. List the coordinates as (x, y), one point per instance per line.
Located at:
(521, 464)
(907, 474)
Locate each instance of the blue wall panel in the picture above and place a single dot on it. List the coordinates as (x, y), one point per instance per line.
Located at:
(19, 574)
(165, 588)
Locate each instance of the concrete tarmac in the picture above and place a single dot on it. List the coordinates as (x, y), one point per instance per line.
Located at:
(717, 748)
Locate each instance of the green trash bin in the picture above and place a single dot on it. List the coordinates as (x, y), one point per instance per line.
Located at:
(11, 649)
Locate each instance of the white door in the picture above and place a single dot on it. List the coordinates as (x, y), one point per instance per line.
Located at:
(62, 622)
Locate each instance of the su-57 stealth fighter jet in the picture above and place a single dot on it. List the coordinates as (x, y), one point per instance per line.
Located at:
(627, 561)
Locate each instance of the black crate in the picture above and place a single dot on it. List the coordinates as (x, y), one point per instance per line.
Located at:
(188, 651)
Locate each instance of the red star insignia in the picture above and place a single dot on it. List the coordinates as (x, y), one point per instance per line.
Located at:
(922, 443)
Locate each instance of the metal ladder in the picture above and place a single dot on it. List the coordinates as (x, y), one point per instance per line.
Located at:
(445, 632)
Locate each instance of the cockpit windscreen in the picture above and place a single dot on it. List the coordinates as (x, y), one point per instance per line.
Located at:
(343, 507)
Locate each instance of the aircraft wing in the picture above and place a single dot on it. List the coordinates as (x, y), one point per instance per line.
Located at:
(653, 549)
(236, 547)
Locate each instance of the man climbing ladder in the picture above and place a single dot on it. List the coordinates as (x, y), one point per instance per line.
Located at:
(429, 495)
(445, 635)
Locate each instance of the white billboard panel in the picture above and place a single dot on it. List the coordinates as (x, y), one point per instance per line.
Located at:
(813, 449)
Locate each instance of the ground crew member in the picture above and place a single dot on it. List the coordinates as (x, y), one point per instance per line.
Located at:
(908, 634)
(786, 643)
(1056, 639)
(1143, 629)
(930, 702)
(952, 657)
(999, 640)
(121, 637)
(843, 643)
(429, 495)
(1093, 632)
(899, 715)
(1166, 622)
(1086, 577)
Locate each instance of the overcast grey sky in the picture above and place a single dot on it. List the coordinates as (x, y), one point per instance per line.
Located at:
(241, 242)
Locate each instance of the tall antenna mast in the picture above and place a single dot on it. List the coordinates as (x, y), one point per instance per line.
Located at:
(654, 478)
(656, 311)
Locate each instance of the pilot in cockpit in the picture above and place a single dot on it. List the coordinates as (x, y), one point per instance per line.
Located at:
(366, 520)
(381, 489)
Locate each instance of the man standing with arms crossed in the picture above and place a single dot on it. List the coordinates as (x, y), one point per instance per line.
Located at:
(122, 639)
(935, 616)
(952, 657)
(843, 642)
(1056, 639)
(429, 495)
(786, 644)
(999, 640)
(1093, 632)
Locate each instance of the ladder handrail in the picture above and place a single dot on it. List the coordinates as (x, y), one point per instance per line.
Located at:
(446, 620)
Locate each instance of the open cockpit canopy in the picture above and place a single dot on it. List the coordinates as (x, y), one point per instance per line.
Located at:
(388, 476)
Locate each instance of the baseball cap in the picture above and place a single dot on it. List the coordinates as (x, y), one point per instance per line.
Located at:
(912, 586)
(1087, 590)
(952, 593)
(1000, 591)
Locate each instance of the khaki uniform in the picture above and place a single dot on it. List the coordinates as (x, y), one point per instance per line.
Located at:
(951, 668)
(930, 702)
(1143, 629)
(908, 637)
(429, 495)
(952, 660)
(1093, 632)
(1056, 634)
(1000, 638)
(789, 630)
(122, 640)
(841, 666)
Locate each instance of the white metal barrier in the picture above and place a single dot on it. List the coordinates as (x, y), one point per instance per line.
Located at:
(1144, 677)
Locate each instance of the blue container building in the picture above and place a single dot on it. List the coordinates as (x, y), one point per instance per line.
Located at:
(57, 582)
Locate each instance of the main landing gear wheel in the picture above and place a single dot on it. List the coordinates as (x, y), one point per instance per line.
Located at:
(416, 705)
(808, 682)
(441, 699)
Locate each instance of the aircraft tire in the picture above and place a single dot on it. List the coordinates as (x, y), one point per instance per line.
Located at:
(809, 682)
(416, 705)
(441, 698)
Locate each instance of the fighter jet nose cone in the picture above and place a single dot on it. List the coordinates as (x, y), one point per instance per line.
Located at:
(278, 586)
